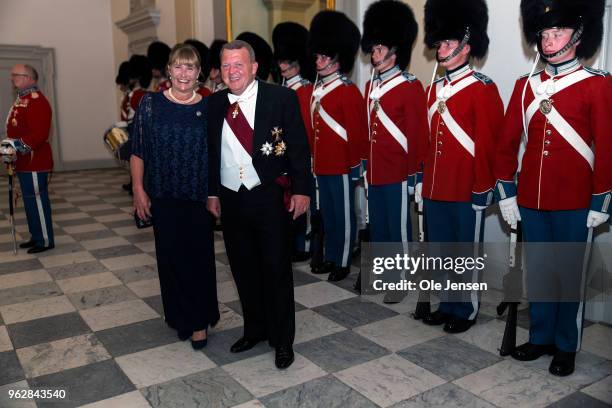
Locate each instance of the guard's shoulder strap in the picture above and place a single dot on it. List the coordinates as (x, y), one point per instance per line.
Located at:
(482, 78)
(598, 72)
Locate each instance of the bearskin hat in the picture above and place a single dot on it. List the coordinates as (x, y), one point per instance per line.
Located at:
(214, 60)
(140, 70)
(123, 75)
(263, 53)
(158, 54)
(448, 19)
(392, 24)
(290, 42)
(539, 15)
(333, 34)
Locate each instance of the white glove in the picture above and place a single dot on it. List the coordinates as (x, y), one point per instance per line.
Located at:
(596, 218)
(418, 193)
(509, 210)
(478, 207)
(121, 124)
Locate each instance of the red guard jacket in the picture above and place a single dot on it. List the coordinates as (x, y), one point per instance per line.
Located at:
(303, 88)
(451, 172)
(30, 120)
(554, 175)
(394, 152)
(336, 153)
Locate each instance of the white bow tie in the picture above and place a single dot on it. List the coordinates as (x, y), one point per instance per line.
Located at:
(246, 95)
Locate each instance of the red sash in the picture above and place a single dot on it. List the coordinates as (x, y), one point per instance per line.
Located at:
(240, 126)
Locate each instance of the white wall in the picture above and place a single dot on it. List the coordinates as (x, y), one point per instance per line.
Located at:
(204, 19)
(80, 31)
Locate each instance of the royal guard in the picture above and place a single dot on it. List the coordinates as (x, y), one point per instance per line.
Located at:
(565, 183)
(397, 113)
(202, 50)
(158, 54)
(465, 114)
(27, 127)
(124, 84)
(141, 74)
(290, 41)
(263, 53)
(214, 81)
(339, 135)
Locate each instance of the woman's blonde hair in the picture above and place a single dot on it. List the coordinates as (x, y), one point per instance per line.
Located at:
(184, 54)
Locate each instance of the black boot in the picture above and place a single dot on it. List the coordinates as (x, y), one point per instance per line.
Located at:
(562, 363)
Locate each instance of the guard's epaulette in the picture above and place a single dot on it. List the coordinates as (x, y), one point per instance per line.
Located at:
(534, 74)
(409, 76)
(304, 82)
(482, 78)
(346, 80)
(594, 71)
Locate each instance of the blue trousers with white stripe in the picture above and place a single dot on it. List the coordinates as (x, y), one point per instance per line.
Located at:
(389, 211)
(37, 206)
(451, 221)
(558, 323)
(337, 204)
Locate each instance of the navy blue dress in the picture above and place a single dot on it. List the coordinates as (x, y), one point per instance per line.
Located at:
(171, 139)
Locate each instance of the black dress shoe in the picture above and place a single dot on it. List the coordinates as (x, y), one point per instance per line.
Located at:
(530, 351)
(300, 256)
(27, 244)
(436, 318)
(562, 363)
(199, 344)
(457, 325)
(36, 249)
(243, 344)
(184, 334)
(284, 357)
(325, 267)
(339, 273)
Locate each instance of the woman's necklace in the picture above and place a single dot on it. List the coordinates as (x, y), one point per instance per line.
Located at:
(184, 102)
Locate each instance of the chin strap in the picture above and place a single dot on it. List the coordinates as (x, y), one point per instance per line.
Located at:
(456, 51)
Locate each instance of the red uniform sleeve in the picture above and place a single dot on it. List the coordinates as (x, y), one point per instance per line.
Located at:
(489, 117)
(136, 97)
(356, 123)
(38, 120)
(304, 94)
(416, 129)
(601, 127)
(506, 156)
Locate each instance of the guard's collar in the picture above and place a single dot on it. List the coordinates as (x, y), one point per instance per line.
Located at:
(23, 92)
(329, 78)
(562, 68)
(452, 74)
(383, 76)
(293, 80)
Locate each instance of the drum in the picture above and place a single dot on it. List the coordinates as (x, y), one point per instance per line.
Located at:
(115, 138)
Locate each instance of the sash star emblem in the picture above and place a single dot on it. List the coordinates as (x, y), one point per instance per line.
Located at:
(266, 149)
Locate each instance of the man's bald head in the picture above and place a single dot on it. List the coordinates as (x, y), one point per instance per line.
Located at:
(23, 76)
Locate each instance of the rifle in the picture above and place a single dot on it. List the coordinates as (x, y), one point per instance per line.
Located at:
(423, 307)
(512, 283)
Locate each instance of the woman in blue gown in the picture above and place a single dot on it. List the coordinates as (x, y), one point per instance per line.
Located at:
(169, 166)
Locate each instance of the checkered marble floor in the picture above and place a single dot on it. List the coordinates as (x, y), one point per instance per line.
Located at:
(87, 317)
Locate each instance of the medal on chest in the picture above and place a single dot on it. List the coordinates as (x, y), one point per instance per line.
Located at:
(441, 107)
(545, 106)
